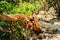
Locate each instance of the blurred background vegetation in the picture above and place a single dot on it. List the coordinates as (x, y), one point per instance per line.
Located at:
(20, 6)
(26, 7)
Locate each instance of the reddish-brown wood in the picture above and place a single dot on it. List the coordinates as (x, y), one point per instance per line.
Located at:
(28, 21)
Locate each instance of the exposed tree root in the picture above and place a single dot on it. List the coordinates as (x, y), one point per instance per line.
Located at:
(29, 22)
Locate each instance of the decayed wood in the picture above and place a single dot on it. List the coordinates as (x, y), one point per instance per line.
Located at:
(32, 22)
(12, 18)
(28, 21)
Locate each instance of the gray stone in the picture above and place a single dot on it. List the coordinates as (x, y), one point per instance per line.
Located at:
(48, 25)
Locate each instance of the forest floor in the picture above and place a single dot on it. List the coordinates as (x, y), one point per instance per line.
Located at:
(50, 25)
(51, 32)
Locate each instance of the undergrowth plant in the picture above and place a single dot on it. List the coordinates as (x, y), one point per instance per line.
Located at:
(5, 7)
(11, 31)
(8, 7)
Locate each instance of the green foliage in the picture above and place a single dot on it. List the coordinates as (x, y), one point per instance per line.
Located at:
(17, 32)
(13, 2)
(3, 24)
(58, 17)
(21, 6)
(5, 7)
(39, 4)
(53, 2)
(25, 8)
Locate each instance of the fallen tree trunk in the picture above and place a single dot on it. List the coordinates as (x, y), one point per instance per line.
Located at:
(28, 21)
(12, 18)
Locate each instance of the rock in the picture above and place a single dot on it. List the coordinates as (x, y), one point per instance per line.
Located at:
(58, 35)
(48, 25)
(33, 38)
(56, 23)
(51, 11)
(42, 12)
(47, 15)
(41, 36)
